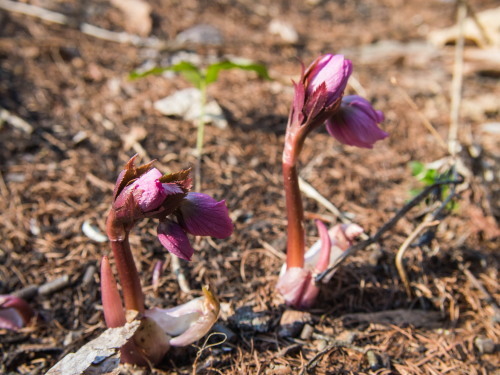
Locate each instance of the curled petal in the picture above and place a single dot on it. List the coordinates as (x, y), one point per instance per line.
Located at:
(15, 312)
(341, 237)
(174, 239)
(356, 123)
(201, 215)
(188, 322)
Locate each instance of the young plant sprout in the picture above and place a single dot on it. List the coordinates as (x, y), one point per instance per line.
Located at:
(201, 78)
(351, 120)
(144, 192)
(15, 312)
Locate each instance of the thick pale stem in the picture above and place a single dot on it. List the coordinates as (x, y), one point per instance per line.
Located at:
(295, 215)
(128, 275)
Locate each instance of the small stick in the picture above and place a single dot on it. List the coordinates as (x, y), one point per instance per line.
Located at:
(401, 252)
(88, 276)
(15, 121)
(54, 285)
(312, 193)
(175, 265)
(388, 225)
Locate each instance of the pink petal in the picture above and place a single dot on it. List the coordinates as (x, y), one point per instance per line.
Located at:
(356, 123)
(296, 286)
(334, 71)
(174, 239)
(201, 215)
(148, 190)
(15, 312)
(188, 322)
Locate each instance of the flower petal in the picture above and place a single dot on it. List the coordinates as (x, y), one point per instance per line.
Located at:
(201, 215)
(356, 123)
(333, 71)
(188, 322)
(148, 190)
(293, 284)
(15, 312)
(174, 239)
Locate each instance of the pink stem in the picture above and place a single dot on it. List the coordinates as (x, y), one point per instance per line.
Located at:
(111, 301)
(129, 277)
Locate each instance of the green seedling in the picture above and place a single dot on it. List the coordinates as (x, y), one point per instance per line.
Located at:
(428, 176)
(201, 78)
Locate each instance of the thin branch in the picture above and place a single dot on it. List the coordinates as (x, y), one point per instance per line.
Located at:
(312, 193)
(406, 244)
(388, 225)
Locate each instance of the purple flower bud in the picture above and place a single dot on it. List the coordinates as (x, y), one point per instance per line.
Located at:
(148, 191)
(15, 312)
(331, 70)
(356, 123)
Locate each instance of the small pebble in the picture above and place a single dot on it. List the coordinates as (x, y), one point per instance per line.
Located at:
(306, 332)
(292, 322)
(373, 360)
(484, 345)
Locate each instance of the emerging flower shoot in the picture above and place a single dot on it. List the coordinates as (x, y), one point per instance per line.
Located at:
(351, 120)
(144, 192)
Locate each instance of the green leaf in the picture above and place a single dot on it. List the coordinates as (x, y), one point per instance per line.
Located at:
(188, 70)
(416, 168)
(213, 70)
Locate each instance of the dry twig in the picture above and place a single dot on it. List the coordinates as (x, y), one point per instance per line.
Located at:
(388, 225)
(401, 252)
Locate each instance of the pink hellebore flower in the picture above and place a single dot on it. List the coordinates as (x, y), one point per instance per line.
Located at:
(356, 123)
(15, 312)
(150, 194)
(296, 284)
(319, 91)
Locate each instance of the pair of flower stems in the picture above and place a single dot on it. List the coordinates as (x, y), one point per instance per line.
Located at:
(144, 192)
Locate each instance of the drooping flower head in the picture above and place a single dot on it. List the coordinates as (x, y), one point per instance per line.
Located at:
(356, 123)
(144, 192)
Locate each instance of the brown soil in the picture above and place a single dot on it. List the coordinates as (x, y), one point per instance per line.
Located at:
(73, 90)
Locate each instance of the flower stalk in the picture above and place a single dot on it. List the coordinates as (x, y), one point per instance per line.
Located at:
(143, 192)
(352, 120)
